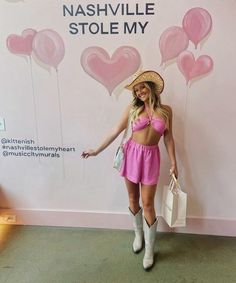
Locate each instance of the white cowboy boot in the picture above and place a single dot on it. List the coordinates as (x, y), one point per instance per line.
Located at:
(138, 230)
(150, 238)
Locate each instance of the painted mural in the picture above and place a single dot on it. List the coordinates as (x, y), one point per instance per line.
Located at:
(63, 78)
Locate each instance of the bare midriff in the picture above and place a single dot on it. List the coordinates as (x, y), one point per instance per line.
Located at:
(146, 136)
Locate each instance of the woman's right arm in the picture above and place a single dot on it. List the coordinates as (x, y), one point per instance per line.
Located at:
(113, 134)
(170, 145)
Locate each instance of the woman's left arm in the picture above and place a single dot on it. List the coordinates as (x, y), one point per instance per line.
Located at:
(170, 144)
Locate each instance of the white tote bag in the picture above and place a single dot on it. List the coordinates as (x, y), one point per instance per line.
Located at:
(119, 158)
(174, 204)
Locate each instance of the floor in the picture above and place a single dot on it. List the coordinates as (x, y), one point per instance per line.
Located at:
(34, 254)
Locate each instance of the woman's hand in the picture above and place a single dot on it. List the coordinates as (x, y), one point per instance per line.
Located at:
(88, 153)
(174, 170)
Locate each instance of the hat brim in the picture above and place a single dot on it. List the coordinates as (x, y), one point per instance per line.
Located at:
(148, 76)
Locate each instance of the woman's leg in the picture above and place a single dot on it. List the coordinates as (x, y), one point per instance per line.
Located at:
(150, 224)
(148, 195)
(133, 193)
(136, 214)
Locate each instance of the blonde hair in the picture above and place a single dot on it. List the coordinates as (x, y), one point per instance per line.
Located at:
(154, 103)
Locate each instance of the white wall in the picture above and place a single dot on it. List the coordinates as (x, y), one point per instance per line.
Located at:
(38, 191)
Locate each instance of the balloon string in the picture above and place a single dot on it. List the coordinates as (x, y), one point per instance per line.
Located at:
(34, 102)
(60, 120)
(185, 129)
(186, 114)
(186, 105)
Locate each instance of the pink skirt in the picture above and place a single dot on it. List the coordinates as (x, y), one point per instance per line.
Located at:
(141, 163)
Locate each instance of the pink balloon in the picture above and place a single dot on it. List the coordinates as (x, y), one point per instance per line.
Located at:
(21, 44)
(172, 42)
(192, 68)
(110, 71)
(48, 47)
(197, 23)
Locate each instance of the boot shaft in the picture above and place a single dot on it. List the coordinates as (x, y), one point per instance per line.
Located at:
(149, 232)
(137, 219)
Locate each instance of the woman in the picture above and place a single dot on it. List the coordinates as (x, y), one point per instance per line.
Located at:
(149, 121)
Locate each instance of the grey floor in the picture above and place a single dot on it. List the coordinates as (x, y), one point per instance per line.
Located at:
(33, 254)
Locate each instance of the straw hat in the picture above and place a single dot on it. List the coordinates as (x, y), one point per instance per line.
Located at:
(147, 76)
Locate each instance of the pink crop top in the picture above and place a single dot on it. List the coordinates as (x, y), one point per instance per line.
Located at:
(157, 123)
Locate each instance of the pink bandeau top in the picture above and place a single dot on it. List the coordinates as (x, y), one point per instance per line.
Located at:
(157, 123)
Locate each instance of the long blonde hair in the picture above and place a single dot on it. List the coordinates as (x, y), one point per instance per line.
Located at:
(154, 103)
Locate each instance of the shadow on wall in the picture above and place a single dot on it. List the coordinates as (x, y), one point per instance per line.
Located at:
(5, 202)
(185, 166)
(198, 152)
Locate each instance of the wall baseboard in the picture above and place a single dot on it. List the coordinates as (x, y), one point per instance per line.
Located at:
(107, 220)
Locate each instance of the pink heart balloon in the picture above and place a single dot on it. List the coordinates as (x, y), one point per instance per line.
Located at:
(192, 68)
(197, 23)
(110, 71)
(172, 42)
(21, 44)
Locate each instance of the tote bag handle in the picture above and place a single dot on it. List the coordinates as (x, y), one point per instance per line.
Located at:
(176, 181)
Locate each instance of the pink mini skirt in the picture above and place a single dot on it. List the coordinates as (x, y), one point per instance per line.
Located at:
(141, 163)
